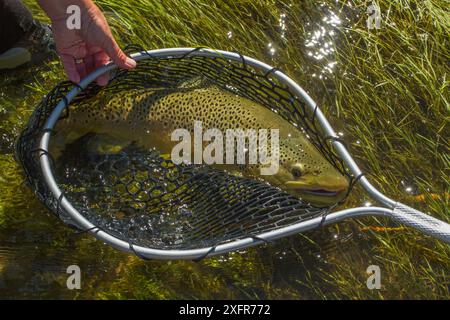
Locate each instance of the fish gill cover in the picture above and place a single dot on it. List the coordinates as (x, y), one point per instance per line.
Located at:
(142, 197)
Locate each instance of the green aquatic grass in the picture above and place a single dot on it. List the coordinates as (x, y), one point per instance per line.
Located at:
(388, 94)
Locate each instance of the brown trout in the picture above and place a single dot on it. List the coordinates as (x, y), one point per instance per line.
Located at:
(147, 117)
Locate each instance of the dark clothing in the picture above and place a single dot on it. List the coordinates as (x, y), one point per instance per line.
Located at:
(16, 22)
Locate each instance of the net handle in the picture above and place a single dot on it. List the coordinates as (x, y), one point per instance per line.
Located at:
(422, 222)
(237, 244)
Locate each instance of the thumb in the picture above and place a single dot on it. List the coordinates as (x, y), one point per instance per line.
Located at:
(117, 55)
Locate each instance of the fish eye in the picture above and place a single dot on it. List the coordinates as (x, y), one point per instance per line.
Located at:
(296, 172)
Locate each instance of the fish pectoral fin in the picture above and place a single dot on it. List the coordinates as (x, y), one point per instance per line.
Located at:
(105, 144)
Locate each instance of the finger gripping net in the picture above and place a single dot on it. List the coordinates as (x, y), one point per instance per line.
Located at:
(145, 199)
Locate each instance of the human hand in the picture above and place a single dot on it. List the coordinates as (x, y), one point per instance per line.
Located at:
(88, 48)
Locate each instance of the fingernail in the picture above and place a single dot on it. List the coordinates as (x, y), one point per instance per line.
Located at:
(130, 63)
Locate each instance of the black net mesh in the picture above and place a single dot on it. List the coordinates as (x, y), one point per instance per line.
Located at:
(142, 197)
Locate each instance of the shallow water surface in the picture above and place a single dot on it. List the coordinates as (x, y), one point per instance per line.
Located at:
(384, 104)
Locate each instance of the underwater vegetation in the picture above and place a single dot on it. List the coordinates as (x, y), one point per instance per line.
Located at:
(386, 90)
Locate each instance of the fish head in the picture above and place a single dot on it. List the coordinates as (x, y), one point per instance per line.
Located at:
(305, 173)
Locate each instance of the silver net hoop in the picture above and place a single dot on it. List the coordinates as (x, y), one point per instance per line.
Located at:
(230, 239)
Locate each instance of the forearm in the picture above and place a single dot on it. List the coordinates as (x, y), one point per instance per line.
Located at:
(57, 9)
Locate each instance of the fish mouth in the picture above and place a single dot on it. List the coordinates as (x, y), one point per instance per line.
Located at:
(316, 191)
(321, 192)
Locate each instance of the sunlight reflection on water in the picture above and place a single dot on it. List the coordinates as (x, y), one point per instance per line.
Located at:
(321, 41)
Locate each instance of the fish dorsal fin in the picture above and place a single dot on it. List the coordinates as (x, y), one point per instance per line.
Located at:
(196, 82)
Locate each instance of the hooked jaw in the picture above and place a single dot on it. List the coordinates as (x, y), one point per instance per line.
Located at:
(326, 192)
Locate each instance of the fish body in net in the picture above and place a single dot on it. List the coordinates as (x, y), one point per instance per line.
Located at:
(148, 117)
